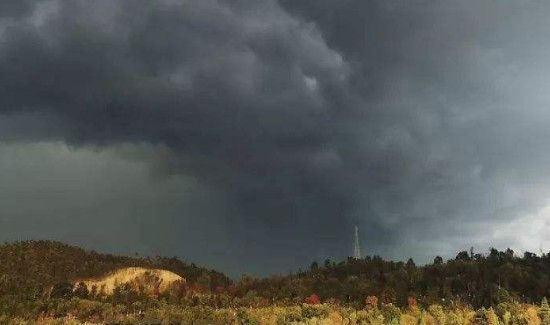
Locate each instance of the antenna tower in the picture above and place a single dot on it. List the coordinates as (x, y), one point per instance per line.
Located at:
(356, 247)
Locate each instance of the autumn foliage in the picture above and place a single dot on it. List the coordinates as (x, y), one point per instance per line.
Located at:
(411, 302)
(313, 300)
(371, 302)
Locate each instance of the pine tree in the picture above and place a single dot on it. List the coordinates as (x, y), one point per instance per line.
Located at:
(491, 316)
(544, 312)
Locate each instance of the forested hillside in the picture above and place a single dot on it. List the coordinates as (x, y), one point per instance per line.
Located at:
(40, 280)
(474, 279)
(27, 268)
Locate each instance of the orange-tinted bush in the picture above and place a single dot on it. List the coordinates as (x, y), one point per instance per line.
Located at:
(371, 302)
(313, 300)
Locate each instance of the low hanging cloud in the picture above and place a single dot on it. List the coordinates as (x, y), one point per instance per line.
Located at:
(424, 123)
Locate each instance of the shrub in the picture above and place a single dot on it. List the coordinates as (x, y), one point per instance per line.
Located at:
(318, 311)
(313, 300)
(391, 313)
(438, 313)
(371, 302)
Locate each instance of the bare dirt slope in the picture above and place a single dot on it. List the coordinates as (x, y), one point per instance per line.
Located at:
(151, 279)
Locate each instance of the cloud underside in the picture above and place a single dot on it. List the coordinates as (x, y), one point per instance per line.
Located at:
(272, 128)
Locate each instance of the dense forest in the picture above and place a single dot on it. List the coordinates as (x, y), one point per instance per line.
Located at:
(39, 280)
(474, 279)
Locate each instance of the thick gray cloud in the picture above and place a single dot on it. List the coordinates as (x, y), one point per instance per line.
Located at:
(271, 128)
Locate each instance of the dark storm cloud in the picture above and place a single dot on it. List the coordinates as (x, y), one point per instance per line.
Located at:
(242, 95)
(454, 90)
(16, 9)
(423, 122)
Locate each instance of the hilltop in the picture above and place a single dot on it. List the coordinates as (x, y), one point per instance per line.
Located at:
(28, 268)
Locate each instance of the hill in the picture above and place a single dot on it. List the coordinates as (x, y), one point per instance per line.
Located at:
(27, 268)
(473, 279)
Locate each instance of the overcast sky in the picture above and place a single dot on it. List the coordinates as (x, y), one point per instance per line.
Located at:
(251, 136)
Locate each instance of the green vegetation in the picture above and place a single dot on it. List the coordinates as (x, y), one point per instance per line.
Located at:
(40, 282)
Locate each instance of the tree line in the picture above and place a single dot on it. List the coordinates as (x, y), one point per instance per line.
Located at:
(39, 279)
